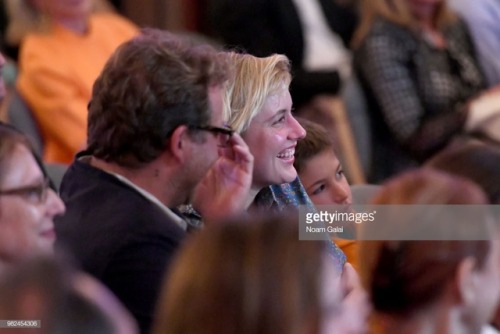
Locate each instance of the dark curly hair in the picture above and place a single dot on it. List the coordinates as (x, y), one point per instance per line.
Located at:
(150, 85)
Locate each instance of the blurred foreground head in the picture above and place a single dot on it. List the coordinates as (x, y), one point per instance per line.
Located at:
(433, 279)
(251, 277)
(64, 300)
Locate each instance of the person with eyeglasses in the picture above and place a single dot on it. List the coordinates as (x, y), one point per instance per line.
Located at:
(28, 205)
(223, 134)
(63, 47)
(156, 136)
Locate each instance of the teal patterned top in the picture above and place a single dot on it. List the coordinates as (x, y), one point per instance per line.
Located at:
(284, 196)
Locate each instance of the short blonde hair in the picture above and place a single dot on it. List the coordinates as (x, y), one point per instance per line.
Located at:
(255, 79)
(398, 12)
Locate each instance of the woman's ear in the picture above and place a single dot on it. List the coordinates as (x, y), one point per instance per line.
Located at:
(467, 281)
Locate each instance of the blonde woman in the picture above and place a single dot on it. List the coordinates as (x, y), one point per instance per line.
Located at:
(258, 105)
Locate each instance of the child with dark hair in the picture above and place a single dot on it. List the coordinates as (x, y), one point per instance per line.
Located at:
(322, 175)
(319, 168)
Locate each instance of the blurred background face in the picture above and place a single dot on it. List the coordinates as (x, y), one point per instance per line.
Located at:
(64, 9)
(423, 9)
(272, 137)
(26, 215)
(325, 181)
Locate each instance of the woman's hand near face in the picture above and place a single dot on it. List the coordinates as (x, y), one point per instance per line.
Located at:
(224, 191)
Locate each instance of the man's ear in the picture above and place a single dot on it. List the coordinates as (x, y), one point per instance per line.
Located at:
(179, 143)
(467, 281)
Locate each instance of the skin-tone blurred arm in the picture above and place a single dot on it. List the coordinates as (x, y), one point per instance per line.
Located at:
(355, 301)
(224, 190)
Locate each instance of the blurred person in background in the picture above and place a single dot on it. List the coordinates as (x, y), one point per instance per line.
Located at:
(417, 64)
(64, 45)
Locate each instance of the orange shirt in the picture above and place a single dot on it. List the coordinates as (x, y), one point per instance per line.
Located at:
(350, 249)
(57, 71)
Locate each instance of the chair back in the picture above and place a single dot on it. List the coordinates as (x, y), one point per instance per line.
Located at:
(19, 115)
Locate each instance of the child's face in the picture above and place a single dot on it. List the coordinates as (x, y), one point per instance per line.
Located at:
(324, 180)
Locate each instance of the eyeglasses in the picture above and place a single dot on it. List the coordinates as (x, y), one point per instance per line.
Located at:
(223, 134)
(35, 194)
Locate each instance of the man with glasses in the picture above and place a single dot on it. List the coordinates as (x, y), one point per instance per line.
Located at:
(155, 135)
